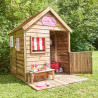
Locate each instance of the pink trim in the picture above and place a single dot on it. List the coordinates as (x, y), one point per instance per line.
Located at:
(18, 44)
(43, 44)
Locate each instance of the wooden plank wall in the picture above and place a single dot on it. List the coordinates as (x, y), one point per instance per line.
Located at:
(80, 62)
(62, 50)
(38, 30)
(17, 57)
(20, 56)
(13, 55)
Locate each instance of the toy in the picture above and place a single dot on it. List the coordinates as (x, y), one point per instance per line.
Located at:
(60, 70)
(40, 84)
(48, 65)
(57, 70)
(47, 84)
(56, 66)
(33, 68)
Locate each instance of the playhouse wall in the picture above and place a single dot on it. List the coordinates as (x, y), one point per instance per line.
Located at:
(17, 57)
(13, 55)
(62, 50)
(38, 30)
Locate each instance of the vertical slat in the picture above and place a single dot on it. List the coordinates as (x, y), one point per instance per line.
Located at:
(82, 62)
(79, 63)
(88, 68)
(71, 57)
(90, 62)
(74, 63)
(86, 62)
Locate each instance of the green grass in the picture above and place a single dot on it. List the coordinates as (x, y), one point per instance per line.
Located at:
(11, 87)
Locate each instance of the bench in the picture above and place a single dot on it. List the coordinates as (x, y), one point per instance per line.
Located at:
(31, 75)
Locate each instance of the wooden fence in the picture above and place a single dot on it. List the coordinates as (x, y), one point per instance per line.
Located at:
(80, 62)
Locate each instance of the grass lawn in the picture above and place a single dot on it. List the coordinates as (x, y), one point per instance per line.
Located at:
(11, 87)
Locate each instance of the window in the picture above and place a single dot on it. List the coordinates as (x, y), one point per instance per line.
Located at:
(37, 45)
(11, 41)
(18, 44)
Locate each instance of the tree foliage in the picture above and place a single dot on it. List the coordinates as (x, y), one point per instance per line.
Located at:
(80, 15)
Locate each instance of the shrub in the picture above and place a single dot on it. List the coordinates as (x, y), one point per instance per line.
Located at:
(4, 54)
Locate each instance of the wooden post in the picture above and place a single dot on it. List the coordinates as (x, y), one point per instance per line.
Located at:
(25, 56)
(69, 63)
(55, 47)
(15, 53)
(53, 74)
(68, 37)
(32, 77)
(28, 75)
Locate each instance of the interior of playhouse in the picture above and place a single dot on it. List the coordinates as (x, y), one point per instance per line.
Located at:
(58, 50)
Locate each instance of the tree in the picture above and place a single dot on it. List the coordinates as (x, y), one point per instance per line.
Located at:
(81, 16)
(12, 13)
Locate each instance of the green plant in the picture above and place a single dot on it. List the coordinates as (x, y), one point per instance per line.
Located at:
(4, 54)
(81, 16)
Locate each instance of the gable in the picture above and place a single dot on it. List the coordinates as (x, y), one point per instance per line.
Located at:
(39, 25)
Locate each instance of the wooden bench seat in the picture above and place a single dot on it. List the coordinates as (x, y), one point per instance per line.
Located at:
(31, 75)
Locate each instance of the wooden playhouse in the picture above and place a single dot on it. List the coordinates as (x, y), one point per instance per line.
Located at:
(43, 38)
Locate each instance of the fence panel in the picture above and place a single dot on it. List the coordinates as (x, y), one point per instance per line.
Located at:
(80, 62)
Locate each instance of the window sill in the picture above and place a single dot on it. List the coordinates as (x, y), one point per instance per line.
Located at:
(38, 52)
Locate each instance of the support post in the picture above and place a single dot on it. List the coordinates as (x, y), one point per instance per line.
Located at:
(55, 47)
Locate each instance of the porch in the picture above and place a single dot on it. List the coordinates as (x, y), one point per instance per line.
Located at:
(61, 79)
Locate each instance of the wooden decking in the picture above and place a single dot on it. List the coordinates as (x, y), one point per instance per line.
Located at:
(60, 80)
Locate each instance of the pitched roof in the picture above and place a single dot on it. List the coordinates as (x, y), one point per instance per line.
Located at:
(26, 24)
